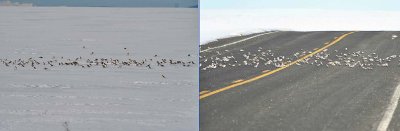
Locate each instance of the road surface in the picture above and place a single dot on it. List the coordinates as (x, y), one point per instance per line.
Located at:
(301, 81)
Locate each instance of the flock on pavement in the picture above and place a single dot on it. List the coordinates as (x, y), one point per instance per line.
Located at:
(269, 60)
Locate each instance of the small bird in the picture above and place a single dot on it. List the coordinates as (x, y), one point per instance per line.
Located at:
(148, 66)
(163, 76)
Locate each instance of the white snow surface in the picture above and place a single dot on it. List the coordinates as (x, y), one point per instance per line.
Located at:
(219, 23)
(98, 99)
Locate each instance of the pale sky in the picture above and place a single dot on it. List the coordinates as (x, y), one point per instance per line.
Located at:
(372, 5)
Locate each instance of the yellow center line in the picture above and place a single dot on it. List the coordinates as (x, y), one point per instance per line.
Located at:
(276, 70)
(237, 81)
(203, 92)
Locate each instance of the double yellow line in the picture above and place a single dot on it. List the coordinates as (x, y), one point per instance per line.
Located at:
(204, 95)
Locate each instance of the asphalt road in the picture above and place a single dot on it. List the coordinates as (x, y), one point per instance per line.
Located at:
(348, 84)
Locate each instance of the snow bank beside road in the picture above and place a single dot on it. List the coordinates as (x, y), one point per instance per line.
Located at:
(217, 23)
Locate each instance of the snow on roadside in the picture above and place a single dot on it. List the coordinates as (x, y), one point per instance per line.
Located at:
(218, 23)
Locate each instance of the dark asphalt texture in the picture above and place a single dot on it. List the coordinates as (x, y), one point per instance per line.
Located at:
(301, 97)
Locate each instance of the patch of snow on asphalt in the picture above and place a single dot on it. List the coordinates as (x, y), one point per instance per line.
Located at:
(394, 36)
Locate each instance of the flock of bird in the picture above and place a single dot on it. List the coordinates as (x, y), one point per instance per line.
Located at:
(262, 57)
(269, 59)
(43, 63)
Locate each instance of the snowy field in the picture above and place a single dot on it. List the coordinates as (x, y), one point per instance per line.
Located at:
(218, 23)
(98, 69)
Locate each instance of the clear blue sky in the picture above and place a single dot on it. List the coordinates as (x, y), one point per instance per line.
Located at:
(384, 5)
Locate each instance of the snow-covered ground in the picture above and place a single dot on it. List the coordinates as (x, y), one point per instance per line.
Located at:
(217, 23)
(112, 95)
